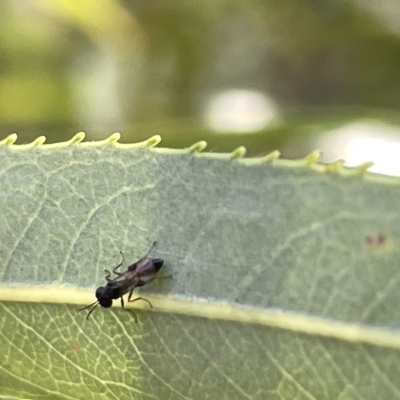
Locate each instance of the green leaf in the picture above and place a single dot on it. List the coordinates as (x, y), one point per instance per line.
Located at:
(285, 275)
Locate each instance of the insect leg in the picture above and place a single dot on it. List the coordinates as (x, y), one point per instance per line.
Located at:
(123, 307)
(138, 298)
(115, 268)
(108, 274)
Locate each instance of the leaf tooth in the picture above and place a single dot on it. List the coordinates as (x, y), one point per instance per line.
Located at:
(36, 143)
(338, 166)
(9, 140)
(77, 138)
(149, 143)
(363, 168)
(357, 170)
(334, 166)
(271, 157)
(112, 140)
(239, 152)
(197, 147)
(312, 158)
(152, 142)
(268, 159)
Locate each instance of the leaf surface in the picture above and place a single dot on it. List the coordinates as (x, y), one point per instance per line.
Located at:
(285, 277)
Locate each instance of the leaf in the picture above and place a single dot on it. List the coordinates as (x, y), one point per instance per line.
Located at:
(285, 275)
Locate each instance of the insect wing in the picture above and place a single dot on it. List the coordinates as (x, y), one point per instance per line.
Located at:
(133, 266)
(144, 280)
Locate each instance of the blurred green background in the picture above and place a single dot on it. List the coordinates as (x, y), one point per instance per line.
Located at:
(291, 75)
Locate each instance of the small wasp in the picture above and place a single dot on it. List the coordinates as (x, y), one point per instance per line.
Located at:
(138, 274)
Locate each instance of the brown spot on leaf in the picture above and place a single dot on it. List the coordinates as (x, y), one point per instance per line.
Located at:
(375, 241)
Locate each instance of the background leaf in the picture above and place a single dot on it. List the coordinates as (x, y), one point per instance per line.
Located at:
(285, 277)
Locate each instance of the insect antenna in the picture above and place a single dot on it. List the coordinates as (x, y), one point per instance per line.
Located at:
(95, 304)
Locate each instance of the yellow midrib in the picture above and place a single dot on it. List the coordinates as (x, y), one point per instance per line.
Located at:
(289, 321)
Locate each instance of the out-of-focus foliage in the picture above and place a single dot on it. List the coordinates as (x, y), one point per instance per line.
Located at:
(156, 67)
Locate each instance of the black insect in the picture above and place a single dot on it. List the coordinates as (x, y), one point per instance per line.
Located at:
(138, 274)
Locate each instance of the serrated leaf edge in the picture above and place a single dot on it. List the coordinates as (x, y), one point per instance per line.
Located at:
(311, 161)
